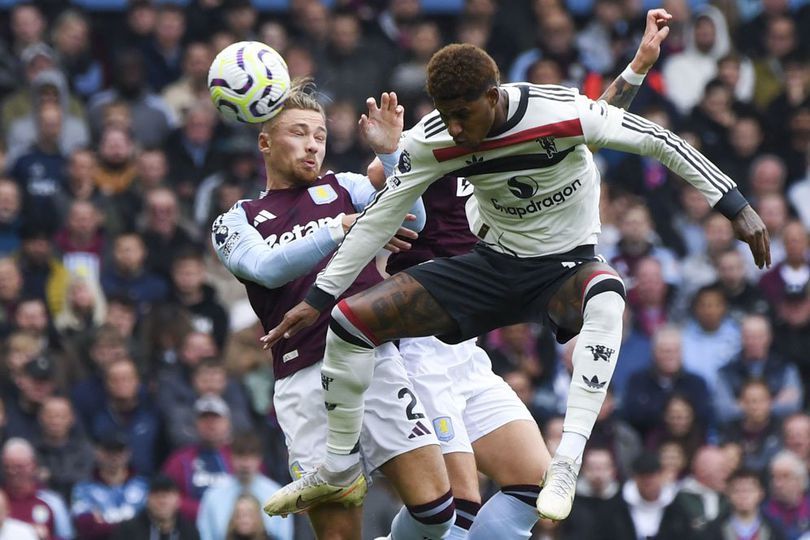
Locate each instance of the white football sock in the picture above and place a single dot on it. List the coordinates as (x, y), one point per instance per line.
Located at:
(507, 514)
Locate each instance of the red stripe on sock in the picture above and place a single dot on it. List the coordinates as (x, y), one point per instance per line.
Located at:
(355, 320)
(588, 282)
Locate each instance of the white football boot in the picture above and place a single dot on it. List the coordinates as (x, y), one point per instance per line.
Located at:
(558, 489)
(320, 486)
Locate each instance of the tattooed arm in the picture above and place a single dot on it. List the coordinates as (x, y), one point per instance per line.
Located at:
(621, 92)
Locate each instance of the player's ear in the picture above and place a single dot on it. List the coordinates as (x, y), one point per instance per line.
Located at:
(264, 142)
(493, 95)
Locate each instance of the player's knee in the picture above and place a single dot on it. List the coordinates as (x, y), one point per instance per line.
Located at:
(348, 327)
(603, 299)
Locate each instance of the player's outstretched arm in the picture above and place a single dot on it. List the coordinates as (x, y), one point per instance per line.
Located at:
(623, 90)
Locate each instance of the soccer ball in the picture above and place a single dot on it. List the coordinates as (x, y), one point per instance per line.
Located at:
(248, 81)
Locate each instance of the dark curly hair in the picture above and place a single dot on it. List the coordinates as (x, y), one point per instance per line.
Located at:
(461, 71)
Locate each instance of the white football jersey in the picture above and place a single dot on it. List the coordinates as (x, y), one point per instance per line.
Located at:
(536, 187)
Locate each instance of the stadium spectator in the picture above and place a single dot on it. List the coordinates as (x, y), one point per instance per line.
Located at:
(745, 520)
(710, 337)
(81, 241)
(246, 520)
(128, 276)
(637, 509)
(635, 354)
(10, 216)
(160, 518)
(679, 424)
(151, 117)
(35, 383)
(105, 348)
(774, 212)
(20, 348)
(700, 497)
(49, 87)
(408, 78)
(40, 169)
(43, 509)
(65, 455)
(788, 503)
(700, 269)
(114, 495)
(13, 529)
(73, 47)
(80, 184)
(122, 315)
(555, 34)
(756, 431)
(756, 361)
(181, 386)
(221, 501)
(206, 464)
(192, 86)
(128, 409)
(742, 296)
(163, 53)
(648, 390)
(162, 232)
(746, 143)
(165, 331)
(115, 170)
(344, 151)
(796, 436)
(780, 41)
(614, 433)
(84, 312)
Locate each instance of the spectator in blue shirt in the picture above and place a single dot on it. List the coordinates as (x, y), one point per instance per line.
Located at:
(113, 496)
(127, 275)
(10, 216)
(126, 409)
(219, 502)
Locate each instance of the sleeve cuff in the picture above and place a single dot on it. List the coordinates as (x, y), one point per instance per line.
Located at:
(731, 203)
(319, 299)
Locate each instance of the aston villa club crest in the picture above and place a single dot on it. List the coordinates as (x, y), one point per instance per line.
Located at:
(322, 194)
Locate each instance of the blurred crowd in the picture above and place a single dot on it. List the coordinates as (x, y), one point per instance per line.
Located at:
(135, 400)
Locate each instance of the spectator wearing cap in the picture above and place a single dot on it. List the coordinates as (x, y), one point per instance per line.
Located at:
(219, 501)
(757, 431)
(756, 360)
(127, 408)
(636, 511)
(745, 520)
(13, 529)
(41, 508)
(788, 503)
(128, 275)
(160, 519)
(35, 59)
(181, 386)
(33, 386)
(65, 454)
(700, 497)
(114, 495)
(152, 120)
(207, 463)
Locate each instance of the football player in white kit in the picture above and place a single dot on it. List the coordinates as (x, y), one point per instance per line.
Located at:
(524, 148)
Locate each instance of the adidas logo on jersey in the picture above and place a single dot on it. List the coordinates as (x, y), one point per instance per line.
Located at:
(263, 216)
(419, 430)
(298, 231)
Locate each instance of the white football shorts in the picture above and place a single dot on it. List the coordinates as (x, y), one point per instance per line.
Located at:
(395, 420)
(463, 397)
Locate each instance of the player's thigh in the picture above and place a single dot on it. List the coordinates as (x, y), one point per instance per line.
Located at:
(419, 476)
(399, 307)
(336, 522)
(565, 305)
(513, 454)
(463, 474)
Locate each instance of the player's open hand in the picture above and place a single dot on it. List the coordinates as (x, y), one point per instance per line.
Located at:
(382, 126)
(656, 31)
(398, 242)
(749, 228)
(294, 321)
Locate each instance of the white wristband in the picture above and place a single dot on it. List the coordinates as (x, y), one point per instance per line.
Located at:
(335, 227)
(632, 77)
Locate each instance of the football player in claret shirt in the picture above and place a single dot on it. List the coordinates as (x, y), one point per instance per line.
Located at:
(276, 245)
(535, 210)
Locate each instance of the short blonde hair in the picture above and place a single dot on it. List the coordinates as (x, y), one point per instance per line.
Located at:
(302, 96)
